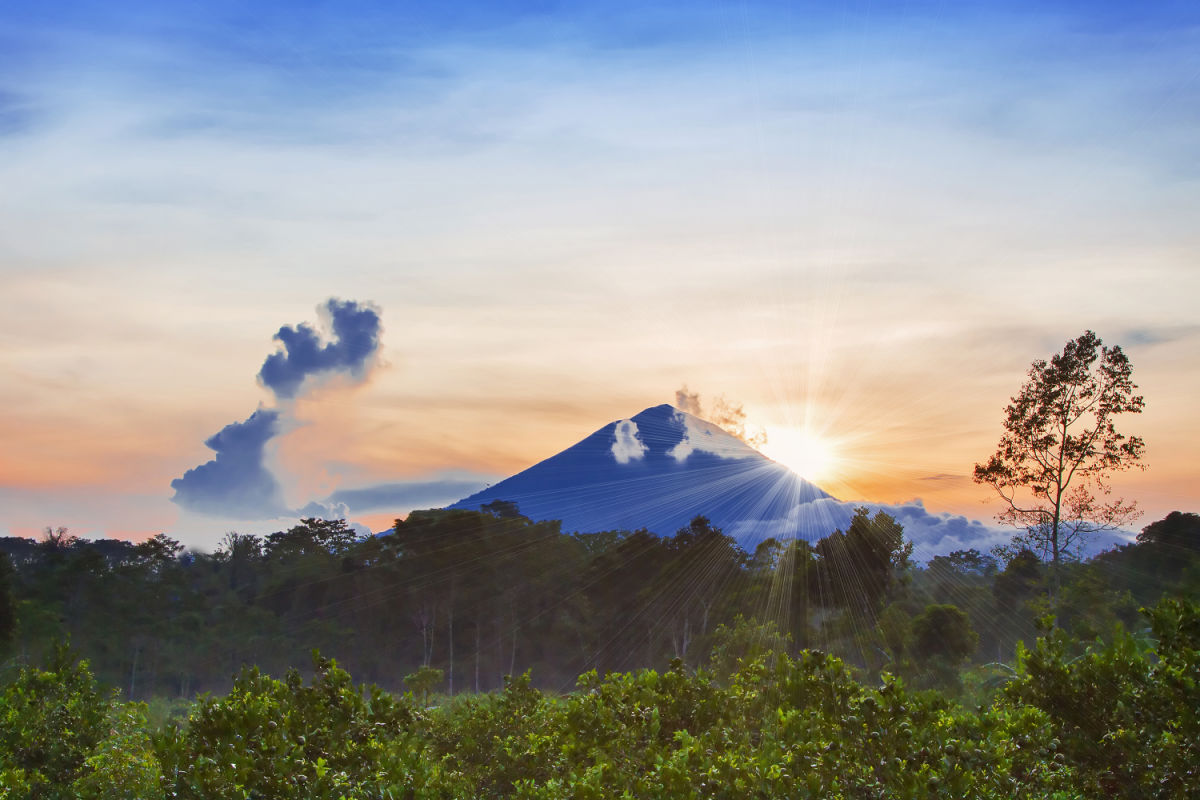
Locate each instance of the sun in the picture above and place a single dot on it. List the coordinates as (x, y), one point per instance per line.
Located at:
(803, 452)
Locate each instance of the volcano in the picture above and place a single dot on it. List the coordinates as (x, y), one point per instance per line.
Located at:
(659, 469)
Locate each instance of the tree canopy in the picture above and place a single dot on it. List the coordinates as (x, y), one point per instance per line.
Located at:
(1060, 445)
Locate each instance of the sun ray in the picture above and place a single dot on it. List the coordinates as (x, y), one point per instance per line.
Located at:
(806, 453)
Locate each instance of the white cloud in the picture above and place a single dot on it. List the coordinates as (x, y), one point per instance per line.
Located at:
(705, 437)
(931, 533)
(627, 446)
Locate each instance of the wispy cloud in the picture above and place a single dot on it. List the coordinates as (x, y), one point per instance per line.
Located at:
(403, 496)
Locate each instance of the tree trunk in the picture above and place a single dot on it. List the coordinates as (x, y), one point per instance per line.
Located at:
(133, 673)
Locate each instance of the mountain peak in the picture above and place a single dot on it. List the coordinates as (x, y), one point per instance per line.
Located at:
(657, 470)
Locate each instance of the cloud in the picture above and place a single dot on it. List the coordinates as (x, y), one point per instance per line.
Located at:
(688, 401)
(627, 446)
(1157, 334)
(705, 437)
(325, 510)
(931, 533)
(235, 482)
(407, 495)
(355, 340)
(725, 414)
(16, 115)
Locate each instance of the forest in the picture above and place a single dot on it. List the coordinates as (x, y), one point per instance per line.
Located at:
(482, 654)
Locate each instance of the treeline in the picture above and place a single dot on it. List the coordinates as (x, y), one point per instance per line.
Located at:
(1074, 721)
(483, 595)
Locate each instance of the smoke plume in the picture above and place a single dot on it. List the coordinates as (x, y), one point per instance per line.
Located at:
(726, 415)
(355, 330)
(237, 481)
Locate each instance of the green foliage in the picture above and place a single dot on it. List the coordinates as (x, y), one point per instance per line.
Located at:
(312, 536)
(1124, 714)
(1178, 533)
(8, 609)
(1116, 721)
(458, 600)
(783, 727)
(280, 739)
(51, 720)
(942, 638)
(487, 743)
(944, 631)
(744, 641)
(481, 595)
(422, 682)
(122, 766)
(895, 630)
(858, 567)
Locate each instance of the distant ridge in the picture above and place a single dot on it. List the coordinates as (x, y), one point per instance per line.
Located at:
(659, 469)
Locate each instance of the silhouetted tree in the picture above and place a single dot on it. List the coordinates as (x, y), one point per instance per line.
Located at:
(504, 509)
(312, 535)
(943, 631)
(1019, 579)
(1177, 532)
(1060, 445)
(8, 611)
(57, 541)
(858, 567)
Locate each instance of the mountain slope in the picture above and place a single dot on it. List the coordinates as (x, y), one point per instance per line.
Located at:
(657, 470)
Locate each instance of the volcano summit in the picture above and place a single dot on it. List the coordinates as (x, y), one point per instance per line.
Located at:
(658, 470)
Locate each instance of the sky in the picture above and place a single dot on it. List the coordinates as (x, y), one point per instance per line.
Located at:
(858, 221)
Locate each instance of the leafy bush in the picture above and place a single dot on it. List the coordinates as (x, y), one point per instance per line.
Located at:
(280, 739)
(122, 766)
(1125, 714)
(51, 721)
(1117, 721)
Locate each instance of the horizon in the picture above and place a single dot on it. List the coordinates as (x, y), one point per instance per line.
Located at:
(860, 226)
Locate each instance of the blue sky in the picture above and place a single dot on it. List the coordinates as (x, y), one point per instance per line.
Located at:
(863, 219)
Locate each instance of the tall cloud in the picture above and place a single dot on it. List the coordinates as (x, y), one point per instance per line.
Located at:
(355, 341)
(235, 482)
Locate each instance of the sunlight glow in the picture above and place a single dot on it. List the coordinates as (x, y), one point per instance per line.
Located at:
(803, 452)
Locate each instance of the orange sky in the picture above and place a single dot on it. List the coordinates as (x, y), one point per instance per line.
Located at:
(866, 228)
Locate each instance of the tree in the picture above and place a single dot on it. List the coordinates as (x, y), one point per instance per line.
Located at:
(944, 631)
(159, 551)
(1060, 445)
(8, 606)
(858, 567)
(58, 540)
(312, 535)
(1177, 532)
(1169, 548)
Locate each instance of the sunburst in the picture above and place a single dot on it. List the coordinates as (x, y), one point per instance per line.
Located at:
(803, 451)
